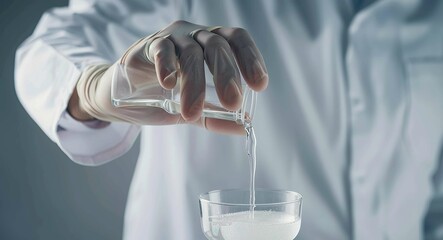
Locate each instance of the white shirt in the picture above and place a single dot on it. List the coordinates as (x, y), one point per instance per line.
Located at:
(352, 118)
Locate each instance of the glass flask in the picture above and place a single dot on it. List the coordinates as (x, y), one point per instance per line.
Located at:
(127, 92)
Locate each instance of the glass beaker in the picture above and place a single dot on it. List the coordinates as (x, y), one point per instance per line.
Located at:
(226, 215)
(128, 90)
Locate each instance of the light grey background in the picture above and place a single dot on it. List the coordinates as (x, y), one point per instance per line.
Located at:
(43, 194)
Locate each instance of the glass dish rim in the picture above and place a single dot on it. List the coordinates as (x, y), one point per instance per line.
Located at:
(298, 199)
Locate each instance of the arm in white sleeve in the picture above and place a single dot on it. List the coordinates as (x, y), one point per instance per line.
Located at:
(433, 225)
(50, 61)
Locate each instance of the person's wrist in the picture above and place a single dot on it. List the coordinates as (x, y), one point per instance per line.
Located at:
(75, 109)
(90, 100)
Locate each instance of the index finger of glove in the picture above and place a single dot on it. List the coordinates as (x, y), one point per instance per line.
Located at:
(192, 77)
(162, 51)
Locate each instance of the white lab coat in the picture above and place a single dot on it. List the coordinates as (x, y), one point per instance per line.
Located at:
(352, 118)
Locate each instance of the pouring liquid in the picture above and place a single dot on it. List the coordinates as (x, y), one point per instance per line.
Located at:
(251, 147)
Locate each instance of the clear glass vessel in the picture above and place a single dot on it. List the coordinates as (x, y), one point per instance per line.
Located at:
(226, 215)
(128, 90)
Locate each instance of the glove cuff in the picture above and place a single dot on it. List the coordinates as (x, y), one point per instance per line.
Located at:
(87, 88)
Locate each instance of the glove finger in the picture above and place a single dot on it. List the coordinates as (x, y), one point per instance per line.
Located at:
(191, 77)
(249, 58)
(224, 127)
(221, 63)
(216, 125)
(162, 51)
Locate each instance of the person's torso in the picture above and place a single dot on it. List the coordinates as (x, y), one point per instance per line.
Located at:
(345, 121)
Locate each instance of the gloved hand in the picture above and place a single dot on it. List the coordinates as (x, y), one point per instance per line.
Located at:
(174, 55)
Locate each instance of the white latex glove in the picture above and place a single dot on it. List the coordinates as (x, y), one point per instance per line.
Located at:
(174, 55)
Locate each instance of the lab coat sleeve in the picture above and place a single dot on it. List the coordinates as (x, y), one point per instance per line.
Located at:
(48, 65)
(433, 226)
